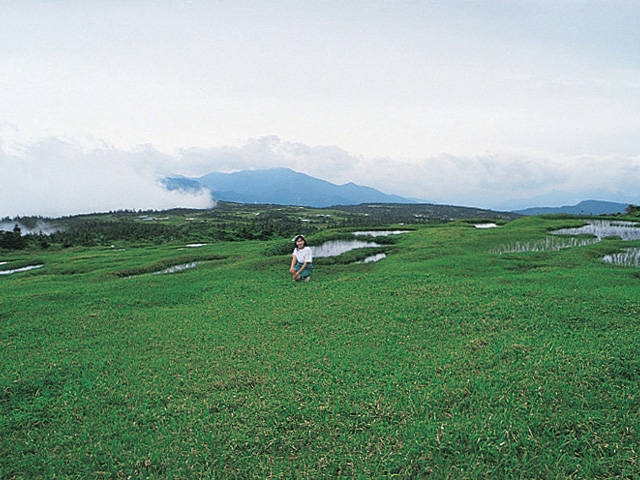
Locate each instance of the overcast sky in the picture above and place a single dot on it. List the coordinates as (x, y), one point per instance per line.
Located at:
(494, 104)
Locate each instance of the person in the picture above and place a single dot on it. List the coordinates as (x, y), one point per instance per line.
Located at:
(301, 260)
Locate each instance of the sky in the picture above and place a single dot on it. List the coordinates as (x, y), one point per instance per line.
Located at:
(492, 104)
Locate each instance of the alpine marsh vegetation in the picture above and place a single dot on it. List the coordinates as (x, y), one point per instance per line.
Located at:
(444, 360)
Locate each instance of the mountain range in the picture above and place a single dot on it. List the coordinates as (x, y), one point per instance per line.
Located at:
(281, 186)
(586, 207)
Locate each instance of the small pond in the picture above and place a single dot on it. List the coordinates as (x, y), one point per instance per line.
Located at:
(547, 244)
(374, 258)
(178, 268)
(605, 228)
(629, 257)
(485, 225)
(334, 248)
(380, 233)
(598, 228)
(22, 269)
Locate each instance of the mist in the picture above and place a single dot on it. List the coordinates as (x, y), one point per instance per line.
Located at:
(41, 227)
(54, 177)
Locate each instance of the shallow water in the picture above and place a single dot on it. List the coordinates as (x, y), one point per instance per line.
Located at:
(605, 228)
(334, 248)
(375, 258)
(22, 269)
(178, 268)
(598, 228)
(380, 233)
(547, 244)
(627, 258)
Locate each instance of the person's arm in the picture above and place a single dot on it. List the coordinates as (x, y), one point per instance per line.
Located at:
(293, 263)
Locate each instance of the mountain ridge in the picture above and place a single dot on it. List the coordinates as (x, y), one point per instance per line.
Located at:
(585, 207)
(282, 186)
(285, 186)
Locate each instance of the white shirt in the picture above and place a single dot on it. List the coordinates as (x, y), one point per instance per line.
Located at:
(303, 255)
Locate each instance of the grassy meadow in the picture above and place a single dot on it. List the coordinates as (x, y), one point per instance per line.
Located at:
(443, 360)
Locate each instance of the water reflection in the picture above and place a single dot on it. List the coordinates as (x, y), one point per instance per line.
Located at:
(547, 244)
(22, 269)
(338, 247)
(374, 258)
(598, 228)
(178, 268)
(380, 233)
(605, 228)
(627, 258)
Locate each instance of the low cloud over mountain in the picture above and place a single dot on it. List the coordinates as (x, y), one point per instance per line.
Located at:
(55, 178)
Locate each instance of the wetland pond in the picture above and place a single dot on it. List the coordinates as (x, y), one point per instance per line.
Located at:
(605, 228)
(593, 232)
(380, 233)
(629, 257)
(18, 270)
(486, 225)
(334, 248)
(178, 268)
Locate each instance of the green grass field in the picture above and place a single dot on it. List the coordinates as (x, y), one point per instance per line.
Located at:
(443, 360)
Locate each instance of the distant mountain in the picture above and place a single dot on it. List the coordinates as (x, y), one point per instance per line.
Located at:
(281, 186)
(586, 207)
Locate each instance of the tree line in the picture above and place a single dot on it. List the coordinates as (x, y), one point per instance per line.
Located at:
(229, 222)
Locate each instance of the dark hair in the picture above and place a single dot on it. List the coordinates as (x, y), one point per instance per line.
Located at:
(295, 239)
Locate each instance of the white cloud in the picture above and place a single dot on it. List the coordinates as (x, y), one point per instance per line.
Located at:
(511, 181)
(269, 152)
(55, 178)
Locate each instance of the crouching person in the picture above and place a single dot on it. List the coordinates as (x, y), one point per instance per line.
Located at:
(301, 260)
